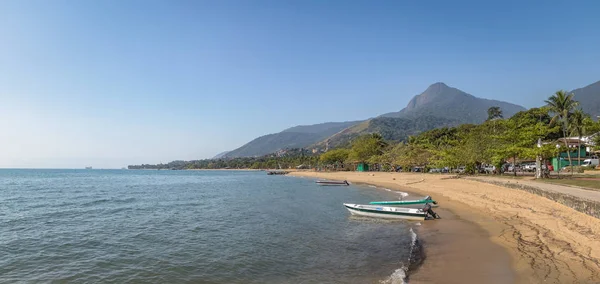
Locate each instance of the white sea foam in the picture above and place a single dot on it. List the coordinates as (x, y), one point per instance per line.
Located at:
(399, 276)
(414, 239)
(372, 186)
(403, 194)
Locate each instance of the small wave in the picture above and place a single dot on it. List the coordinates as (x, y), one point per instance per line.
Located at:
(95, 202)
(112, 200)
(117, 210)
(372, 186)
(414, 239)
(126, 200)
(399, 276)
(402, 194)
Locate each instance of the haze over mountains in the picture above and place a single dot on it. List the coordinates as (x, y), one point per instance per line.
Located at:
(438, 106)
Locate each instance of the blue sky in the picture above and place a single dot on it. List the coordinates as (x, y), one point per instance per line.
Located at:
(111, 83)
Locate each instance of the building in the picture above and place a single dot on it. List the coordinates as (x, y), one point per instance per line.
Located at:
(578, 148)
(362, 167)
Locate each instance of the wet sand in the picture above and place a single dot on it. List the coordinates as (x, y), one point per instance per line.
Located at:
(493, 234)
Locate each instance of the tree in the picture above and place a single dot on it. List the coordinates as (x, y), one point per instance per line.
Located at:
(390, 157)
(335, 157)
(596, 141)
(494, 113)
(562, 105)
(578, 128)
(366, 146)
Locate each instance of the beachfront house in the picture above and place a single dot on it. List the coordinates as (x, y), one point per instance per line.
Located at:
(362, 167)
(577, 148)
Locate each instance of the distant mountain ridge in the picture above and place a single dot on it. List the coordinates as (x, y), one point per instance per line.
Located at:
(390, 128)
(589, 99)
(220, 155)
(438, 106)
(295, 137)
(440, 100)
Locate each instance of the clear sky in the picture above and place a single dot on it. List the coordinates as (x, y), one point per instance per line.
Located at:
(111, 83)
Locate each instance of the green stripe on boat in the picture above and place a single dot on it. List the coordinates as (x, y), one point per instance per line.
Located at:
(405, 202)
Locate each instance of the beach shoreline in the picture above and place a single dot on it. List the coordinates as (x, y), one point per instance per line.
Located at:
(493, 234)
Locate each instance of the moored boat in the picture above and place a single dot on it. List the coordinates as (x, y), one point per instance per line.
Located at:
(425, 200)
(387, 212)
(331, 182)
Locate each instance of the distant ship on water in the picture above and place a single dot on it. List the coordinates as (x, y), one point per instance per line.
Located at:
(88, 168)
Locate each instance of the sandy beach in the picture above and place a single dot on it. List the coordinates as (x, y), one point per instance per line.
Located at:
(487, 228)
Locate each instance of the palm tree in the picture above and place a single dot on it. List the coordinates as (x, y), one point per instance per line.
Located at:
(494, 113)
(562, 105)
(381, 143)
(578, 119)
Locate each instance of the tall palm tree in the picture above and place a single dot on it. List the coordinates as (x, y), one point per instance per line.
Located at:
(562, 105)
(578, 128)
(380, 141)
(494, 113)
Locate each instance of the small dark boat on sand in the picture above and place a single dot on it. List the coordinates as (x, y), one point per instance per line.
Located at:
(332, 182)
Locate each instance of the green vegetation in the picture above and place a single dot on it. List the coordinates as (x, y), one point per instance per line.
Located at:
(562, 105)
(392, 143)
(596, 142)
(290, 158)
(365, 147)
(391, 129)
(335, 157)
(438, 106)
(494, 113)
(493, 142)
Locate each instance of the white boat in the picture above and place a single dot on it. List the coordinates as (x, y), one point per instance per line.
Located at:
(387, 212)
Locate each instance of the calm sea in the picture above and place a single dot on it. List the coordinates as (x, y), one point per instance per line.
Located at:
(192, 226)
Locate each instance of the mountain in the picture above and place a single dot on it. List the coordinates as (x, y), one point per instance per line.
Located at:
(294, 137)
(391, 128)
(589, 99)
(220, 155)
(439, 105)
(442, 101)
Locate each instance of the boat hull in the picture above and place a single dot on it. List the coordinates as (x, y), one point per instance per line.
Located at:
(333, 183)
(386, 212)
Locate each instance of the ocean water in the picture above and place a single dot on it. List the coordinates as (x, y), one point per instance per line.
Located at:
(121, 226)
